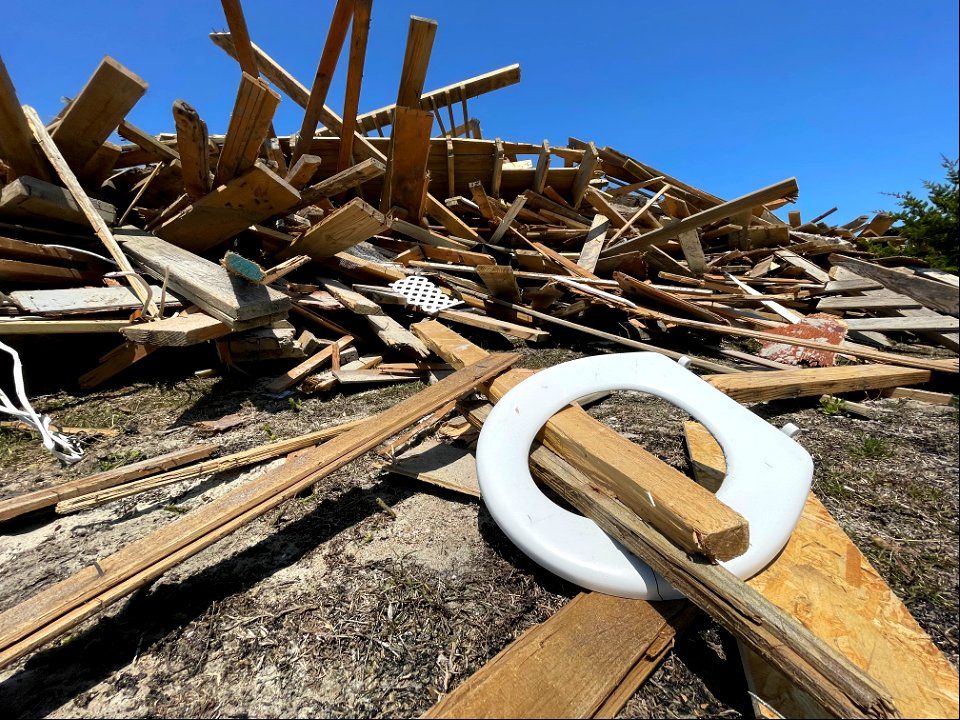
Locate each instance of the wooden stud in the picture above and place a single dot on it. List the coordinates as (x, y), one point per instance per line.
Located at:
(342, 229)
(192, 143)
(351, 101)
(249, 125)
(16, 141)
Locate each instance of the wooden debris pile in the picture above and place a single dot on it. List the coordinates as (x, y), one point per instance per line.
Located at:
(212, 237)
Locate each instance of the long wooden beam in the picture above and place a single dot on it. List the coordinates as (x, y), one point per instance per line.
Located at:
(16, 141)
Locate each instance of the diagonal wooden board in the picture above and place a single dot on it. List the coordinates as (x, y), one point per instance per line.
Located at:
(823, 580)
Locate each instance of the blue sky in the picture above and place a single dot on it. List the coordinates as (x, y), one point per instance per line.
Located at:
(852, 98)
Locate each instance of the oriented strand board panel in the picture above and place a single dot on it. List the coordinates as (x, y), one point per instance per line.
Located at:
(246, 200)
(96, 111)
(220, 294)
(824, 581)
(343, 228)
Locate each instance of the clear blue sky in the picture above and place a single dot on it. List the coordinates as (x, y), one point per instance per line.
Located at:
(853, 98)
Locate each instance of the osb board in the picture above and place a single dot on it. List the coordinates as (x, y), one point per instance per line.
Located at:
(823, 580)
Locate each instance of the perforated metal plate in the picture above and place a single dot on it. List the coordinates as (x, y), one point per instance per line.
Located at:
(423, 294)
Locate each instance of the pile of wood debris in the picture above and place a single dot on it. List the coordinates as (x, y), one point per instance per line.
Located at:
(323, 244)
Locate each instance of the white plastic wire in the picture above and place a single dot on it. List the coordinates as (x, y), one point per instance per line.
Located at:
(57, 443)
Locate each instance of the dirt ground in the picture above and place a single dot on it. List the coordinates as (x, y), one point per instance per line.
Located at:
(374, 595)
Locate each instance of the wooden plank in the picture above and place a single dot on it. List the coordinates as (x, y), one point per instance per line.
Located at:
(426, 237)
(342, 229)
(220, 294)
(808, 267)
(16, 140)
(20, 272)
(573, 664)
(420, 35)
(249, 124)
(192, 142)
(939, 323)
(392, 333)
(63, 605)
(863, 302)
(48, 497)
(99, 226)
(515, 207)
(454, 225)
(341, 182)
(693, 251)
(351, 101)
(114, 362)
(303, 170)
(488, 323)
(96, 111)
(929, 293)
(823, 580)
(100, 166)
(596, 236)
(501, 281)
(146, 141)
(753, 387)
(588, 164)
(180, 331)
(405, 184)
(299, 372)
(662, 495)
(604, 207)
(83, 300)
(336, 36)
(216, 217)
(632, 286)
(60, 327)
(785, 188)
(33, 198)
(13, 249)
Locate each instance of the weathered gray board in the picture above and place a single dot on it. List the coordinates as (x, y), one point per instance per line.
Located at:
(439, 464)
(220, 294)
(29, 197)
(85, 300)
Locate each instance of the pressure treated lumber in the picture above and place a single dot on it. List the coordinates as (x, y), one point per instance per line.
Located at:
(234, 461)
(823, 580)
(340, 230)
(192, 141)
(785, 188)
(575, 664)
(780, 384)
(48, 497)
(39, 200)
(686, 513)
(220, 294)
(929, 293)
(58, 608)
(16, 140)
(336, 36)
(249, 125)
(245, 200)
(96, 111)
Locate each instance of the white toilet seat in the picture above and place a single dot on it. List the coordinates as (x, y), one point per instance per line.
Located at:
(768, 474)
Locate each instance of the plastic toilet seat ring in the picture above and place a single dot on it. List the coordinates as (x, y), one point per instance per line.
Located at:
(768, 474)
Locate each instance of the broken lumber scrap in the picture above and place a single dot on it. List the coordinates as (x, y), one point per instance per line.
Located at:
(96, 111)
(341, 182)
(785, 188)
(16, 140)
(29, 197)
(96, 496)
(180, 331)
(929, 293)
(193, 146)
(58, 608)
(253, 272)
(303, 170)
(823, 580)
(249, 125)
(50, 496)
(114, 362)
(690, 516)
(246, 200)
(220, 294)
(484, 322)
(340, 230)
(298, 373)
(751, 387)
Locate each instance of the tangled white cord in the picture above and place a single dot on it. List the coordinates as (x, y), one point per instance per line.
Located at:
(57, 443)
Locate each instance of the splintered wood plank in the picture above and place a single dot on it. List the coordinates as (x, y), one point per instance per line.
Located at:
(573, 664)
(299, 372)
(30, 197)
(501, 281)
(63, 605)
(48, 497)
(342, 229)
(216, 217)
(515, 207)
(192, 141)
(336, 36)
(406, 181)
(249, 125)
(823, 580)
(96, 111)
(16, 140)
(220, 294)
(351, 101)
(596, 236)
(750, 387)
(83, 300)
